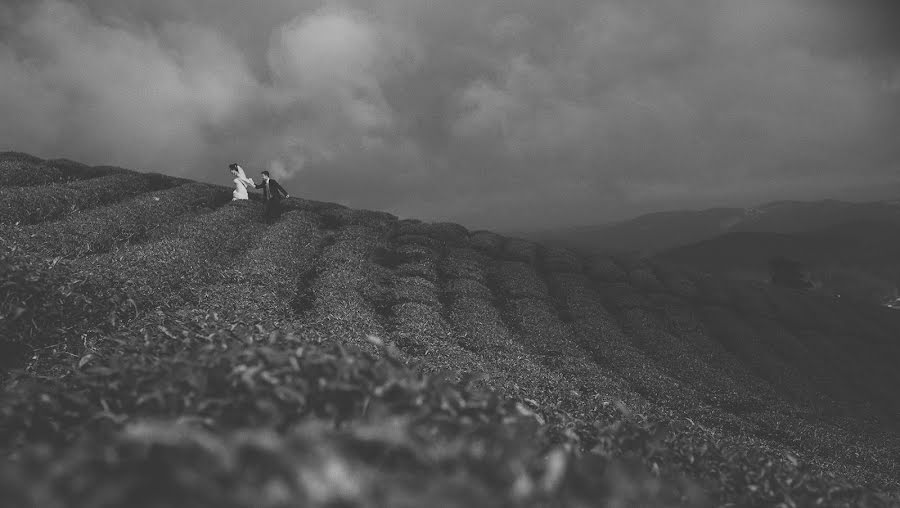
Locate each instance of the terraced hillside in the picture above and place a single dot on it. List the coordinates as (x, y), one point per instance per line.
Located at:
(165, 347)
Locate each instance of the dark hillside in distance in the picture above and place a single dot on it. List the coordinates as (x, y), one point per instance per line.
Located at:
(856, 257)
(163, 346)
(652, 233)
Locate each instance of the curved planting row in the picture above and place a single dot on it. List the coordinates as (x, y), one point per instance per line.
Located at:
(263, 285)
(683, 321)
(681, 305)
(30, 205)
(743, 341)
(23, 170)
(761, 413)
(469, 291)
(413, 303)
(338, 304)
(567, 380)
(170, 272)
(442, 312)
(809, 360)
(675, 356)
(531, 313)
(100, 229)
(669, 330)
(598, 333)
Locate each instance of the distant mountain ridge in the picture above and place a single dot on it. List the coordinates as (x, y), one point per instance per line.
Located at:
(659, 231)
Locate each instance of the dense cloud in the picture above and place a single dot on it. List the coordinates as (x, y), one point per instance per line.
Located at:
(497, 113)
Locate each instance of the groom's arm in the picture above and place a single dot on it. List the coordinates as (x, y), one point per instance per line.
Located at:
(279, 188)
(260, 185)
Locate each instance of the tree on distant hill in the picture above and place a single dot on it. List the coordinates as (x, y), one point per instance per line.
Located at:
(857, 284)
(788, 273)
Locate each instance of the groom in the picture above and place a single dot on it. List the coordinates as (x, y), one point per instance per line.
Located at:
(272, 192)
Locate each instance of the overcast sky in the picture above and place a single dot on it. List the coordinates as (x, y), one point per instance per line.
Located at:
(508, 114)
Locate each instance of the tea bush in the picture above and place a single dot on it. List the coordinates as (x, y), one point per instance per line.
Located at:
(42, 303)
(30, 205)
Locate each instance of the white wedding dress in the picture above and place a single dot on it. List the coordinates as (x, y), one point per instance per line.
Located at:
(240, 185)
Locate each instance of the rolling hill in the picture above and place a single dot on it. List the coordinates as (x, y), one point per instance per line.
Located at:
(860, 260)
(656, 232)
(164, 347)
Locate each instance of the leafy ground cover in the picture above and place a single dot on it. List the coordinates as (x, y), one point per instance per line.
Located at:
(42, 303)
(22, 170)
(100, 229)
(173, 407)
(341, 357)
(30, 205)
(331, 425)
(169, 272)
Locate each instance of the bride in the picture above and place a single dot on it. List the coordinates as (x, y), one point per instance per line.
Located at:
(241, 182)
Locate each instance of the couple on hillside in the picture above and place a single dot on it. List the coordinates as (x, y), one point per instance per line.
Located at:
(272, 190)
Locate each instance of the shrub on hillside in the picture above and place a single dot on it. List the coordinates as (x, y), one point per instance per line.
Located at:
(416, 290)
(597, 332)
(571, 291)
(537, 325)
(468, 288)
(19, 170)
(520, 280)
(309, 205)
(351, 294)
(417, 239)
(31, 205)
(479, 327)
(487, 242)
(424, 268)
(271, 281)
(412, 253)
(100, 229)
(170, 271)
(77, 171)
(341, 217)
(22, 170)
(443, 232)
(464, 264)
(682, 359)
(420, 328)
(42, 304)
(517, 249)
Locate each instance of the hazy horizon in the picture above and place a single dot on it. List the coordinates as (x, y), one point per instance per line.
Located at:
(501, 114)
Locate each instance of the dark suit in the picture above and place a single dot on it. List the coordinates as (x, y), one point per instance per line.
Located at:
(272, 192)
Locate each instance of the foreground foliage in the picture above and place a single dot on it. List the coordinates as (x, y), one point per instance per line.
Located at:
(169, 417)
(42, 304)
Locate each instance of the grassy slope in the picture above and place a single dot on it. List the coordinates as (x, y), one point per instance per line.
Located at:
(606, 368)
